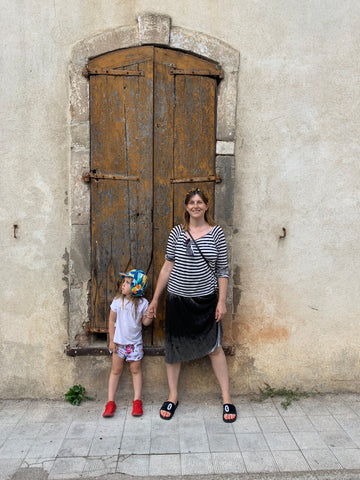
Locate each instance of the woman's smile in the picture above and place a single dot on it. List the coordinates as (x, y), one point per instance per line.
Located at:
(196, 206)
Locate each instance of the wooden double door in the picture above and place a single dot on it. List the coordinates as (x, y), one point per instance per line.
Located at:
(152, 130)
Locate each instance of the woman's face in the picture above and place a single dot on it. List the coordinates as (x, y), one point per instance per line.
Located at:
(196, 207)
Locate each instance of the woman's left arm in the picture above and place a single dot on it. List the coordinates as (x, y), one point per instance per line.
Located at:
(221, 305)
(222, 272)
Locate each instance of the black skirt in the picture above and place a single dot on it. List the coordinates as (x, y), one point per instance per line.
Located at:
(191, 330)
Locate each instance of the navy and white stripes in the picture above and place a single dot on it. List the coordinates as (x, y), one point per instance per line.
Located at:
(191, 275)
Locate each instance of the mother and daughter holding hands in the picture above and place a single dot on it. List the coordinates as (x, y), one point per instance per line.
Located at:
(195, 273)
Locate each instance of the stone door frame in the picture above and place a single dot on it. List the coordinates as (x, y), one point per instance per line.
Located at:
(149, 30)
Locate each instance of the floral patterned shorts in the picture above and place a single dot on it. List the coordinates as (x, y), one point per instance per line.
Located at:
(131, 353)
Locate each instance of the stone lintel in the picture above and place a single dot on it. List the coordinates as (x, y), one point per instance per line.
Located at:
(205, 46)
(104, 42)
(154, 29)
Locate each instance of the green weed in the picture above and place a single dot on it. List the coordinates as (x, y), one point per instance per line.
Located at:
(76, 394)
(288, 394)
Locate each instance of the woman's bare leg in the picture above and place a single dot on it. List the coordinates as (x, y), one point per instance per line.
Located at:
(219, 364)
(173, 373)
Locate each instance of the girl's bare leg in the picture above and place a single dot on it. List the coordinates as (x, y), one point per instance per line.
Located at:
(136, 372)
(115, 374)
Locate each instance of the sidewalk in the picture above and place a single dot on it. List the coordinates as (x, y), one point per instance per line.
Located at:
(55, 440)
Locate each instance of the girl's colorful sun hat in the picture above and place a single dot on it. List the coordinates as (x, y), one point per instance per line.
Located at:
(139, 282)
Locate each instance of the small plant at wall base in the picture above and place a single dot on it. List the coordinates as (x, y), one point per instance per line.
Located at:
(76, 394)
(289, 395)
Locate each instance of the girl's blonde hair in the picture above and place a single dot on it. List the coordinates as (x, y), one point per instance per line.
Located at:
(208, 218)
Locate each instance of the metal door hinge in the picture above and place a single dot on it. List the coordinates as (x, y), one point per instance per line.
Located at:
(210, 178)
(202, 73)
(87, 71)
(105, 176)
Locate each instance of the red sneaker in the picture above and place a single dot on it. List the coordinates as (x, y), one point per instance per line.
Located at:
(137, 408)
(110, 408)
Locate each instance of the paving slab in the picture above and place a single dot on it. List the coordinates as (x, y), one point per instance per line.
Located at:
(251, 442)
(289, 460)
(54, 440)
(260, 461)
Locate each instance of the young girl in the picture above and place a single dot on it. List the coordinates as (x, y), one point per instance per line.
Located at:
(127, 314)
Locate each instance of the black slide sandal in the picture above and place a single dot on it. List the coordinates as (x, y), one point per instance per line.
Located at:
(169, 407)
(229, 409)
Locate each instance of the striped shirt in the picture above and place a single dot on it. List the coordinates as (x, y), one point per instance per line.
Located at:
(191, 275)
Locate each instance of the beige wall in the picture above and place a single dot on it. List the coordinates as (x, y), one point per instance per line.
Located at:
(296, 300)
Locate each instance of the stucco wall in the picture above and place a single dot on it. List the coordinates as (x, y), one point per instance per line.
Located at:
(296, 299)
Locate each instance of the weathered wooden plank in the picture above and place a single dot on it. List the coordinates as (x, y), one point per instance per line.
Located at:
(115, 206)
(123, 58)
(112, 285)
(138, 102)
(194, 136)
(105, 206)
(148, 350)
(164, 104)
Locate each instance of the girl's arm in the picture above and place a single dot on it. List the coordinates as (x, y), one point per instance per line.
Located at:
(160, 287)
(147, 319)
(221, 306)
(112, 321)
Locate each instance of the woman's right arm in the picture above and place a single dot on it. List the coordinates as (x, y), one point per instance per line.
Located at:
(160, 286)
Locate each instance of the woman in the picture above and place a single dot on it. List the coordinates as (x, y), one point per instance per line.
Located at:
(195, 272)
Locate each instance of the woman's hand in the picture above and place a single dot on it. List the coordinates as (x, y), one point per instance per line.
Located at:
(160, 287)
(151, 310)
(220, 310)
(112, 347)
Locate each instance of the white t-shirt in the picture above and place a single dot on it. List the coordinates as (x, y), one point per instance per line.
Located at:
(128, 326)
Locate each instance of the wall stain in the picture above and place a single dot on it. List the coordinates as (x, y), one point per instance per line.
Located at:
(256, 334)
(66, 291)
(236, 299)
(236, 275)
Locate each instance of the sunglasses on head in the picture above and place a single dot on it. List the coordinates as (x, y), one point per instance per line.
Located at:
(193, 192)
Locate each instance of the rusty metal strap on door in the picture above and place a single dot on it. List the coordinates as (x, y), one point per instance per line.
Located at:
(210, 178)
(111, 71)
(202, 73)
(105, 176)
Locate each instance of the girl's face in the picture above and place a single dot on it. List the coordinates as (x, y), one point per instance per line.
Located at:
(125, 287)
(196, 207)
